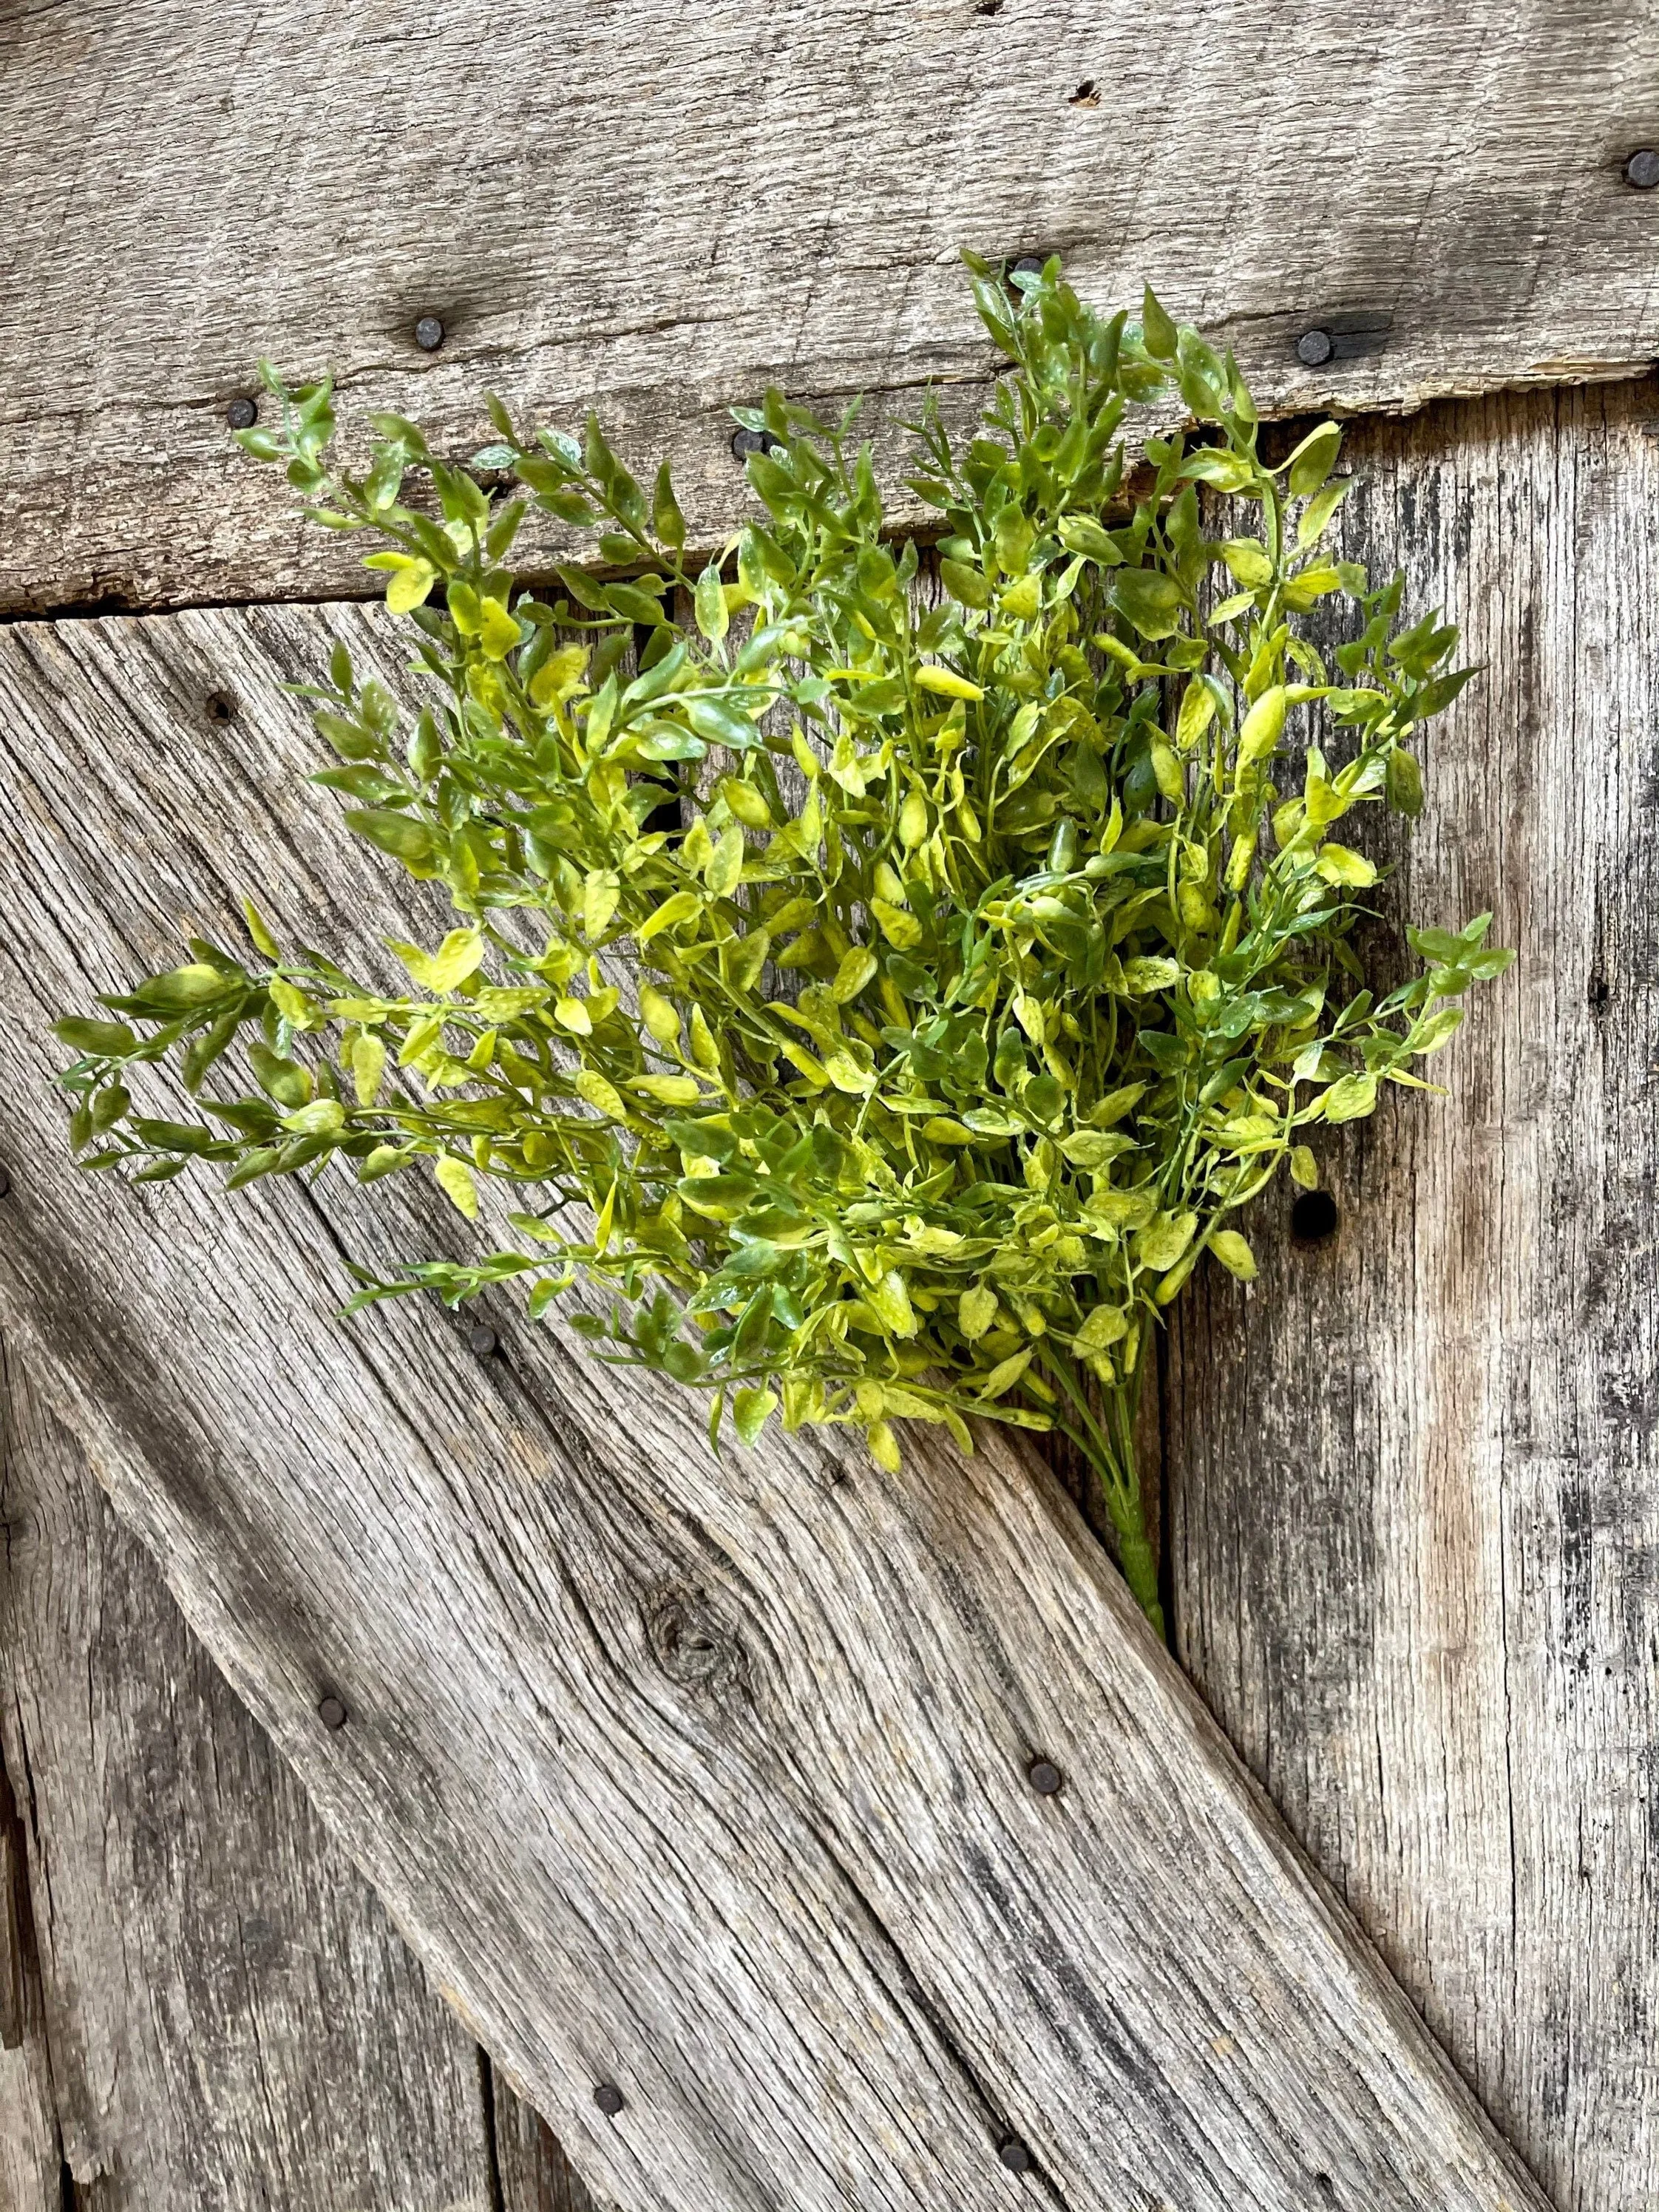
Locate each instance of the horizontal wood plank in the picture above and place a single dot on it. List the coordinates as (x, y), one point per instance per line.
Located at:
(1415, 1494)
(228, 2019)
(659, 211)
(704, 1780)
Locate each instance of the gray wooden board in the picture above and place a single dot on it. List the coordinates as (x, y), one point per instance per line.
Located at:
(661, 208)
(1414, 1490)
(532, 2172)
(705, 1779)
(227, 2019)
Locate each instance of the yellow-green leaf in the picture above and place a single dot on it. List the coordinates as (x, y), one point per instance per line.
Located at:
(1264, 725)
(946, 682)
(455, 1180)
(600, 1093)
(456, 959)
(1340, 865)
(898, 926)
(1234, 1253)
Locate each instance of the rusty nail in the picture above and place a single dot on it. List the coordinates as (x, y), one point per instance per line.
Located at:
(429, 333)
(331, 1713)
(1016, 2155)
(1045, 1778)
(609, 2098)
(1642, 170)
(1314, 347)
(482, 1340)
(241, 413)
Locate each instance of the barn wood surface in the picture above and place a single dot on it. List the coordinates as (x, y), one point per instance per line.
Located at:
(708, 1781)
(216, 2012)
(659, 211)
(1415, 1515)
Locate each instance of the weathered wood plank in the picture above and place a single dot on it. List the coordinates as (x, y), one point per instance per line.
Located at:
(229, 2019)
(661, 209)
(704, 1780)
(533, 2173)
(1416, 1503)
(31, 2150)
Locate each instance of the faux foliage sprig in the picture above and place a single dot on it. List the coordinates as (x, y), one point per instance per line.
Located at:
(905, 995)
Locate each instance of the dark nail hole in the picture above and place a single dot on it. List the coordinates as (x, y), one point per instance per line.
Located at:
(482, 1340)
(745, 442)
(331, 1713)
(5, 1184)
(242, 414)
(988, 6)
(1314, 1216)
(1600, 992)
(1016, 2155)
(609, 2098)
(429, 333)
(1325, 2187)
(1086, 95)
(221, 706)
(1045, 1778)
(1642, 170)
(1314, 347)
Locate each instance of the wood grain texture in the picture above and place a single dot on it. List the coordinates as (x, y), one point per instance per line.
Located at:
(229, 2020)
(531, 2171)
(660, 209)
(1415, 1497)
(704, 1780)
(31, 2148)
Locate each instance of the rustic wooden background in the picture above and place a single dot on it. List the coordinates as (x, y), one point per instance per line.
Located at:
(1409, 1482)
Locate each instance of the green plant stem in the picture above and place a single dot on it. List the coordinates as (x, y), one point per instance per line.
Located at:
(1108, 1449)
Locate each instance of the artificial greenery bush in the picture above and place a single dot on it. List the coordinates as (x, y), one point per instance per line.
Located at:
(888, 997)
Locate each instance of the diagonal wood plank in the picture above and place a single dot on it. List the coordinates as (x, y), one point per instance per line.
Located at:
(223, 2016)
(1416, 1496)
(703, 1780)
(661, 209)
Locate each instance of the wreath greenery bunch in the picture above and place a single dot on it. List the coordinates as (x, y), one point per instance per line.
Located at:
(889, 996)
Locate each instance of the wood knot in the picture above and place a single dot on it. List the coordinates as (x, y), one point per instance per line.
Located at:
(694, 1646)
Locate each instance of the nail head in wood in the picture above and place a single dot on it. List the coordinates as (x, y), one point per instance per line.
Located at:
(482, 1340)
(745, 442)
(331, 1713)
(1642, 170)
(429, 333)
(1045, 1778)
(1016, 2155)
(1028, 264)
(241, 413)
(1315, 347)
(609, 2098)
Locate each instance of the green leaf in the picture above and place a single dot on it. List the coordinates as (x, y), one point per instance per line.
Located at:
(750, 1412)
(1312, 461)
(401, 835)
(1157, 328)
(1234, 1253)
(455, 1181)
(1149, 603)
(104, 1039)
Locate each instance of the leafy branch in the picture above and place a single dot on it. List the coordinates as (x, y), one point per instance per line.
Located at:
(888, 1003)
